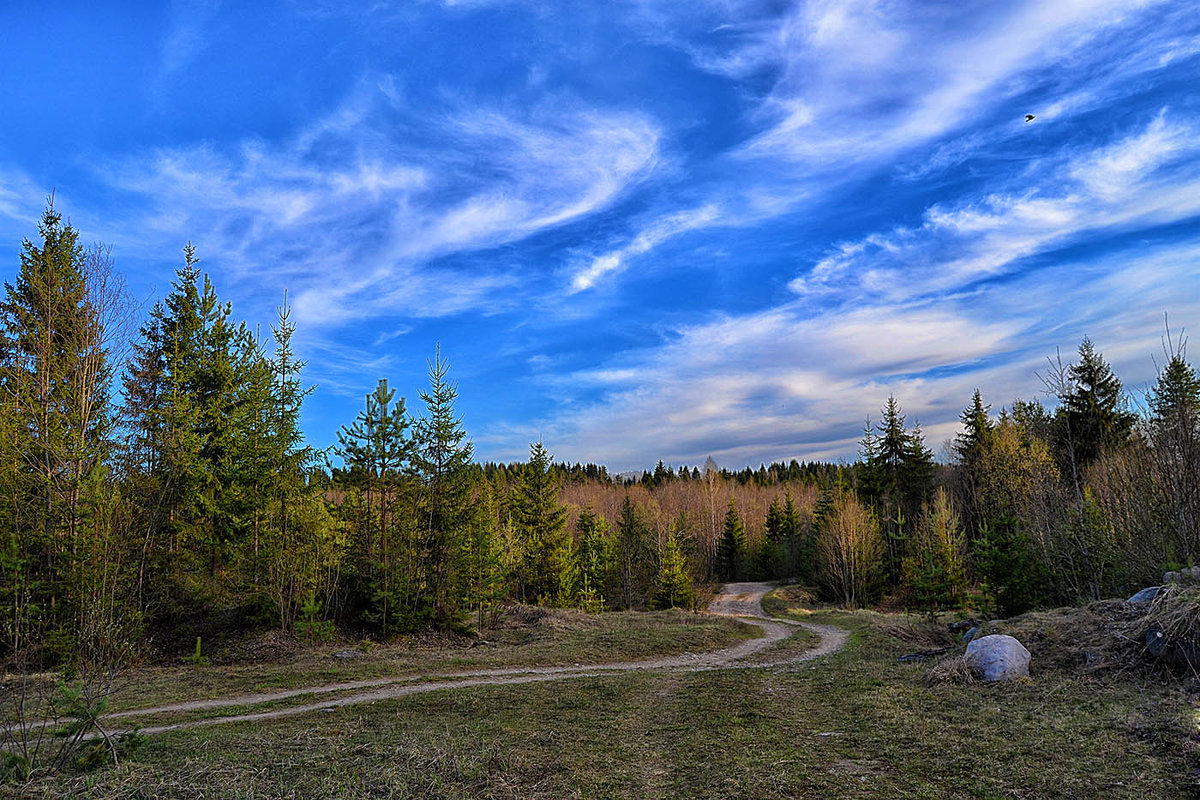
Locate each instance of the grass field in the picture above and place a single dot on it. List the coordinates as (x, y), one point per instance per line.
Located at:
(857, 724)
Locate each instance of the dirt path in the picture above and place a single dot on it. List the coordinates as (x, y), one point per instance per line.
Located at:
(742, 600)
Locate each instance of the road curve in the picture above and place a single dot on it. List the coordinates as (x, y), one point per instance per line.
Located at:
(741, 600)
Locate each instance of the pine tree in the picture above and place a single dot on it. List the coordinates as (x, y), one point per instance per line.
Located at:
(731, 551)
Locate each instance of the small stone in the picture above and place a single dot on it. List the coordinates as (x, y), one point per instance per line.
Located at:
(972, 634)
(347, 655)
(998, 658)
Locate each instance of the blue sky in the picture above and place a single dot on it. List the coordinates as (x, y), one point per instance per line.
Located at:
(639, 229)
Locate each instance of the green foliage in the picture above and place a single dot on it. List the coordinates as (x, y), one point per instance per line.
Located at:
(198, 658)
(935, 571)
(377, 450)
(635, 556)
(441, 460)
(14, 768)
(1092, 414)
(56, 427)
(897, 480)
(672, 584)
(732, 547)
(595, 560)
(311, 625)
(540, 523)
(1008, 568)
(483, 558)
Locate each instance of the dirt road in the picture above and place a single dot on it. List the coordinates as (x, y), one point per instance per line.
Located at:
(742, 600)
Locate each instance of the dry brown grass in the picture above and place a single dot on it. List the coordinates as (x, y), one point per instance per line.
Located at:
(951, 671)
(1105, 636)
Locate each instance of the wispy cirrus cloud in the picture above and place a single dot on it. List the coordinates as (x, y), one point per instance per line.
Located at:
(976, 295)
(1146, 178)
(352, 209)
(785, 382)
(660, 230)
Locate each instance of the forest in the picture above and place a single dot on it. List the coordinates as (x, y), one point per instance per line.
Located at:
(157, 491)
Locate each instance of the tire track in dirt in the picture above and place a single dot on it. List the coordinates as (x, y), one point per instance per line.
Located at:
(740, 600)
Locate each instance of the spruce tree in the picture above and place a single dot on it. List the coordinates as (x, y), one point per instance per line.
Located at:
(290, 460)
(376, 450)
(442, 459)
(672, 584)
(976, 427)
(799, 543)
(55, 378)
(1092, 415)
(634, 555)
(1175, 399)
(731, 550)
(596, 561)
(483, 574)
(540, 523)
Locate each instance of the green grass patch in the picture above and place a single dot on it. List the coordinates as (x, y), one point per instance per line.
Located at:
(857, 724)
(543, 638)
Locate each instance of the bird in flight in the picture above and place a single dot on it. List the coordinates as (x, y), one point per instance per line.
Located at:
(1030, 117)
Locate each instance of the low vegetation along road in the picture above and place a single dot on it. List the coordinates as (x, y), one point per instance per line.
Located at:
(741, 600)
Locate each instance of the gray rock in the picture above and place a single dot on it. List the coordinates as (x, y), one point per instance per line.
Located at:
(1144, 596)
(998, 658)
(1189, 574)
(347, 655)
(972, 634)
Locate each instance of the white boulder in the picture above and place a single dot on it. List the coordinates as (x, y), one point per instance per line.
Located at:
(998, 658)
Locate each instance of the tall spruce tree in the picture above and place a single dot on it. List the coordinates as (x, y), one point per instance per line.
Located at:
(541, 526)
(298, 519)
(635, 555)
(898, 478)
(376, 450)
(55, 378)
(731, 551)
(1092, 415)
(442, 459)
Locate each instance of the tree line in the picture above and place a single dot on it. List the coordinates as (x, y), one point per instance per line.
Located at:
(187, 503)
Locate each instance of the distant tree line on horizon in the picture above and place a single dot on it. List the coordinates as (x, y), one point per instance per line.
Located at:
(188, 504)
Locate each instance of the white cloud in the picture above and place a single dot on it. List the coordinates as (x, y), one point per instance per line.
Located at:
(780, 384)
(659, 231)
(352, 208)
(1147, 178)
